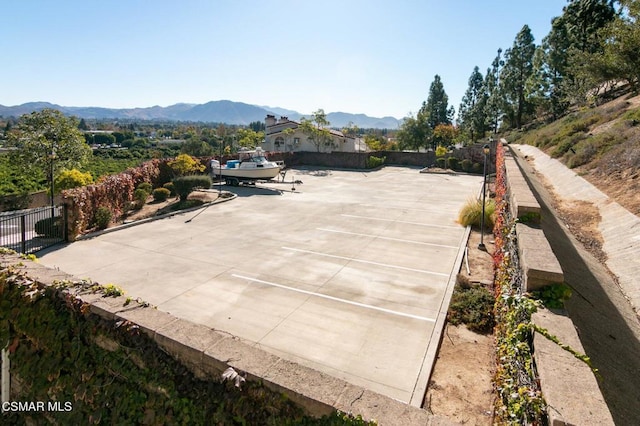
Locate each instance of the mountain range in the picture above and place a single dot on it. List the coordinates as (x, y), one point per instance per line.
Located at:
(223, 111)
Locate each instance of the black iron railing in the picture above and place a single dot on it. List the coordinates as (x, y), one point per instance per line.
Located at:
(29, 231)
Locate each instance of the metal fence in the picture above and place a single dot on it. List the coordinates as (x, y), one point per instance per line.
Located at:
(28, 231)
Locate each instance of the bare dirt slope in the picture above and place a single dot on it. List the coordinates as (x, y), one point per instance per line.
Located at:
(461, 386)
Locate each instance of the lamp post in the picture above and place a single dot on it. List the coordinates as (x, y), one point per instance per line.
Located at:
(485, 149)
(52, 159)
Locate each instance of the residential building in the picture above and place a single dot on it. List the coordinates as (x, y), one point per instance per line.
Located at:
(278, 138)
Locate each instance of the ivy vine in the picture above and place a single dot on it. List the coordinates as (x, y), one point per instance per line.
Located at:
(111, 373)
(520, 400)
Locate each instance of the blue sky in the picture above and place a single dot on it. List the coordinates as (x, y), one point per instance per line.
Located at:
(359, 56)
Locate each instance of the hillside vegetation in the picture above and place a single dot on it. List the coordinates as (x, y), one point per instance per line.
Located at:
(602, 144)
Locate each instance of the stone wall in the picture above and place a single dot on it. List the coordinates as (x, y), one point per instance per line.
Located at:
(358, 160)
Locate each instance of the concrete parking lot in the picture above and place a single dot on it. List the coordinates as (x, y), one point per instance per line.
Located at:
(347, 274)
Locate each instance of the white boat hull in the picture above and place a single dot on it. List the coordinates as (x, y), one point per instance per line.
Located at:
(247, 173)
(251, 165)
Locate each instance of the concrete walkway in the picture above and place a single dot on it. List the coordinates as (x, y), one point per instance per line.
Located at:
(620, 228)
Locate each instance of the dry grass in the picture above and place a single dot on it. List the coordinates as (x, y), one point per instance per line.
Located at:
(471, 213)
(601, 144)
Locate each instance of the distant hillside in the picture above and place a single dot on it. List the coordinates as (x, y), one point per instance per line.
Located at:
(223, 111)
(602, 144)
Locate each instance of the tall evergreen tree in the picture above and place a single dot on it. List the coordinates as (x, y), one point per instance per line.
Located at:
(583, 20)
(574, 38)
(436, 109)
(551, 70)
(517, 69)
(472, 113)
(621, 46)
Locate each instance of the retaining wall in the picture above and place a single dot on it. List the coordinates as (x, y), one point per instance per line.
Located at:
(208, 352)
(568, 384)
(358, 160)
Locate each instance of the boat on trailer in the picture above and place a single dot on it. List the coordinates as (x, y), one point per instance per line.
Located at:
(250, 166)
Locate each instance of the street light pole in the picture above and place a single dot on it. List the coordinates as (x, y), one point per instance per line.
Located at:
(485, 149)
(52, 159)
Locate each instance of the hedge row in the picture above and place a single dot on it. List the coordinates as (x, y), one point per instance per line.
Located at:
(113, 192)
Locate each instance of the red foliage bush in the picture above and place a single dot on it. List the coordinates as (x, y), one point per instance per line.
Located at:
(500, 228)
(114, 192)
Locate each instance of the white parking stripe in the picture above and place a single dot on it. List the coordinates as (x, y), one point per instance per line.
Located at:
(438, 208)
(401, 221)
(351, 259)
(387, 238)
(336, 299)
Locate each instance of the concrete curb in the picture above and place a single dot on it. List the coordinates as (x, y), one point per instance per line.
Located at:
(153, 218)
(420, 389)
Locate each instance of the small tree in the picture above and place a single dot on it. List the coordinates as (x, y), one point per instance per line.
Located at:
(248, 138)
(197, 148)
(316, 129)
(47, 140)
(415, 132)
(185, 164)
(73, 178)
(444, 134)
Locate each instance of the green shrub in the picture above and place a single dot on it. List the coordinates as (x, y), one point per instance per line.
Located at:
(185, 164)
(161, 194)
(145, 186)
(476, 168)
(73, 178)
(139, 198)
(452, 163)
(373, 162)
(553, 296)
(50, 227)
(103, 217)
(441, 162)
(471, 213)
(441, 151)
(184, 185)
(584, 153)
(15, 201)
(466, 165)
(169, 186)
(567, 144)
(543, 141)
(472, 307)
(632, 116)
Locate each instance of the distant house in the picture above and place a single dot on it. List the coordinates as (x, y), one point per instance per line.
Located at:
(279, 139)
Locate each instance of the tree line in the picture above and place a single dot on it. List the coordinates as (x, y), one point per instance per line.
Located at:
(592, 48)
